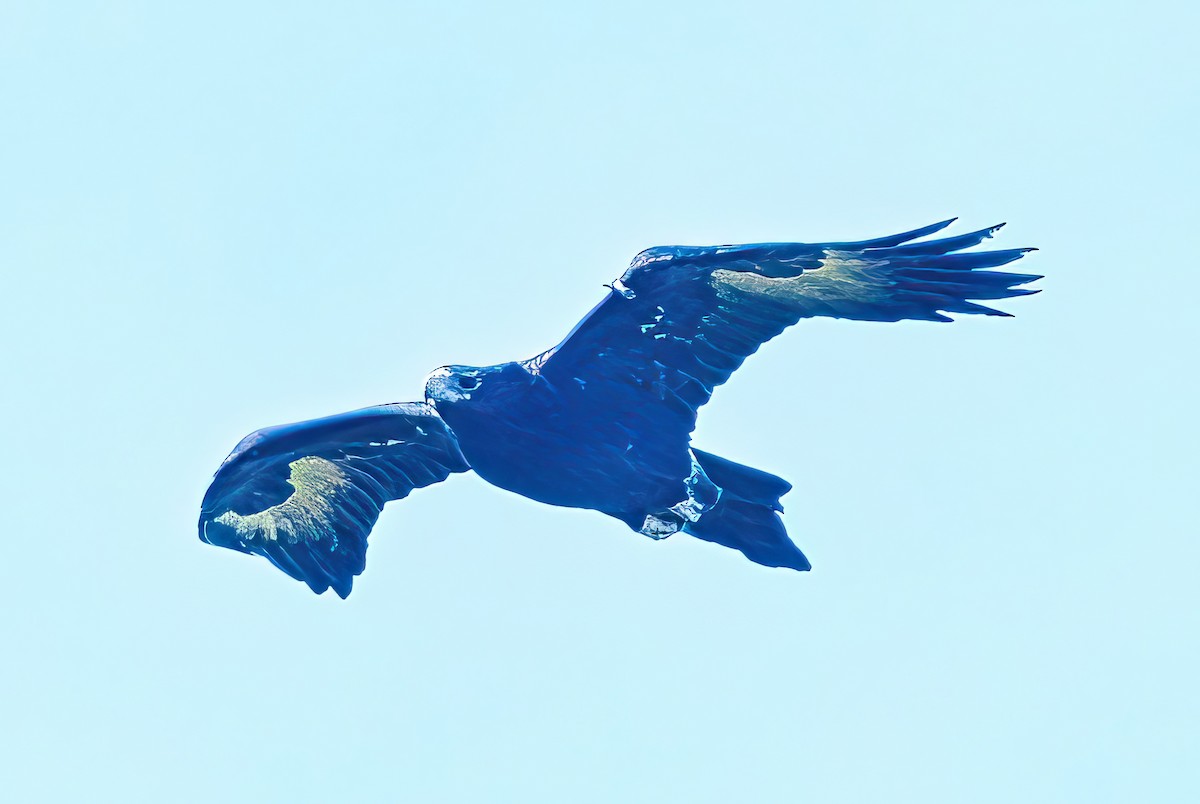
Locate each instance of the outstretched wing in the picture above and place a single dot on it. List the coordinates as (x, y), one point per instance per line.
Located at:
(306, 495)
(683, 318)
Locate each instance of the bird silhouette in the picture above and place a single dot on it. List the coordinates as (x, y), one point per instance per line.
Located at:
(603, 420)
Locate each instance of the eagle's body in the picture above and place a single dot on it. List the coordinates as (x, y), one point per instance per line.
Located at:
(603, 420)
(554, 445)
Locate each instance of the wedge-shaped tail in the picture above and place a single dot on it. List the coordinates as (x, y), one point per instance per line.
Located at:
(746, 517)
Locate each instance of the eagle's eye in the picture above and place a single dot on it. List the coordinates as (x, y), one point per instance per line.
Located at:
(468, 383)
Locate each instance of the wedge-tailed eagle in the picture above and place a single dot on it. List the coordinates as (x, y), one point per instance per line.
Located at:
(603, 420)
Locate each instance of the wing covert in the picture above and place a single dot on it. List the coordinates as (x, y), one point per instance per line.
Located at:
(306, 495)
(682, 319)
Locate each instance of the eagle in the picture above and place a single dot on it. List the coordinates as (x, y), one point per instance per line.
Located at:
(603, 420)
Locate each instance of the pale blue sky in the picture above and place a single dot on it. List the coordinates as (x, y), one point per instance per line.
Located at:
(220, 216)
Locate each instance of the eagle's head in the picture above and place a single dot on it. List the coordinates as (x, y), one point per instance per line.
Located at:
(486, 397)
(488, 386)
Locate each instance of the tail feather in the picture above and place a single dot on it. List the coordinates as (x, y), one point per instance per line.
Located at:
(747, 483)
(746, 517)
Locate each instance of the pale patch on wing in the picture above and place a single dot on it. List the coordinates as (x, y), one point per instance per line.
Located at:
(306, 514)
(841, 275)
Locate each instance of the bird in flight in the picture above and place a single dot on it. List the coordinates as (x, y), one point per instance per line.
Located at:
(603, 420)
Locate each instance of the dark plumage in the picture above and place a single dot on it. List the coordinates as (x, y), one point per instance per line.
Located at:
(604, 419)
